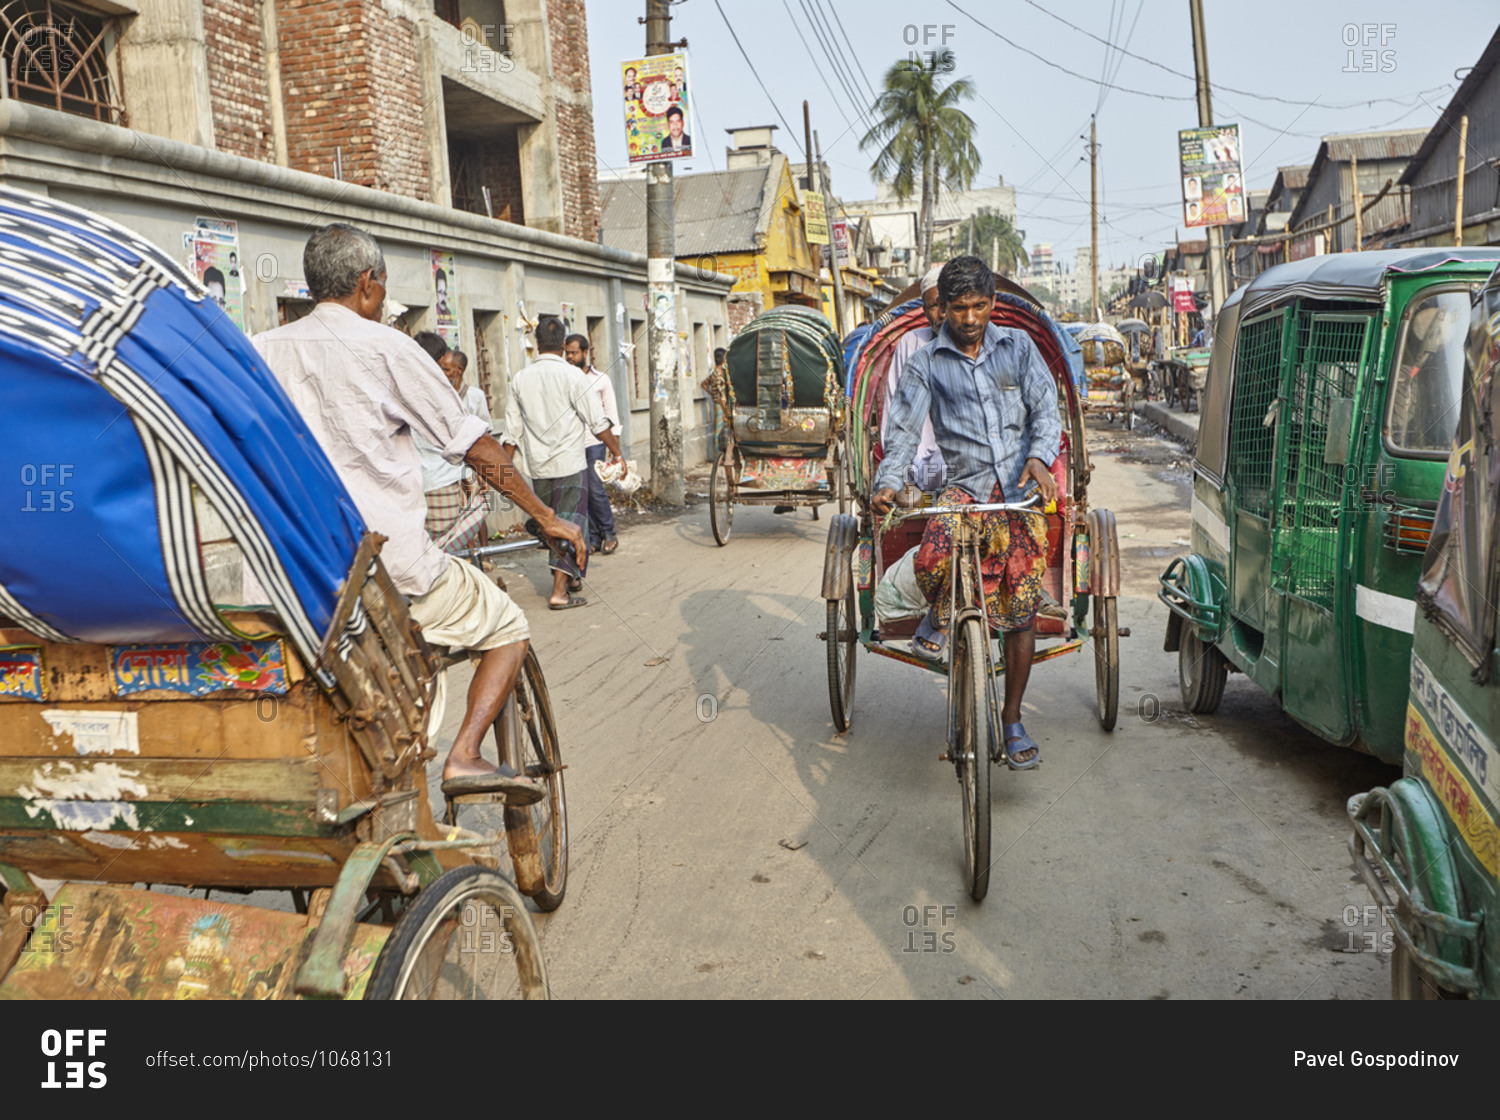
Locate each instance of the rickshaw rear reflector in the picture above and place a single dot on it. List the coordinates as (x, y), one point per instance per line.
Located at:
(1408, 531)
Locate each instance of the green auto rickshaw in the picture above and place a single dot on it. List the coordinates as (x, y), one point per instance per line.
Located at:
(1328, 413)
(1428, 847)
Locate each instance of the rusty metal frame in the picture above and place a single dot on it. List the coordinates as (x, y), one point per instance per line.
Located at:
(83, 86)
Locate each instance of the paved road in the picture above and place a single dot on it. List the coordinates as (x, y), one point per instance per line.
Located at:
(726, 843)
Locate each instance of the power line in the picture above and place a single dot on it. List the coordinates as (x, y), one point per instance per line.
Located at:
(790, 132)
(821, 76)
(835, 62)
(852, 53)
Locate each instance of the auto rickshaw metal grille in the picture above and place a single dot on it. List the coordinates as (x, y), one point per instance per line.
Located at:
(1252, 439)
(1328, 355)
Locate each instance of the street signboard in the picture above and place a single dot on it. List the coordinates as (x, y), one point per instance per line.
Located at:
(657, 115)
(1213, 183)
(1182, 295)
(814, 218)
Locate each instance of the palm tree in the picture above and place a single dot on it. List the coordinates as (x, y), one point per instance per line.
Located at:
(920, 131)
(991, 236)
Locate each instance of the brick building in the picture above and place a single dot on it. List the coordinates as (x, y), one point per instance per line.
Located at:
(459, 130)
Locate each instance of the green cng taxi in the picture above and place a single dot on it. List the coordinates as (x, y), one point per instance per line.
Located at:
(1428, 847)
(1330, 406)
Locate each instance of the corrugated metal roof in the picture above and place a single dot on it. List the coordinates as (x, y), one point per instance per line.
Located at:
(1457, 106)
(1294, 178)
(1401, 143)
(714, 212)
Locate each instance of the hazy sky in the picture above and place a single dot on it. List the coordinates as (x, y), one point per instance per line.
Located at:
(1029, 116)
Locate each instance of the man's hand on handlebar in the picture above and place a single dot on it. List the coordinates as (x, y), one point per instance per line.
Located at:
(556, 530)
(1036, 471)
(882, 500)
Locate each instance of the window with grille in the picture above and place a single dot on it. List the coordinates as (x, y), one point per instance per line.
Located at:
(58, 56)
(1330, 349)
(1252, 424)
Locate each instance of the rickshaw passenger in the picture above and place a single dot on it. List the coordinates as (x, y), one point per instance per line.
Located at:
(927, 469)
(993, 407)
(365, 390)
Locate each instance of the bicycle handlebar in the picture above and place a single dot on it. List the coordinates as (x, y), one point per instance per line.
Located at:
(977, 507)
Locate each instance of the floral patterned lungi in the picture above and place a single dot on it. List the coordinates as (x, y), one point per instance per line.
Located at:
(1012, 561)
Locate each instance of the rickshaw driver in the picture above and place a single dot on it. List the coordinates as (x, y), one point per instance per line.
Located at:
(993, 407)
(364, 389)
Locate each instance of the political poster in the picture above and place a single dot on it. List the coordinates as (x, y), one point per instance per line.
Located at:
(657, 114)
(217, 265)
(1213, 182)
(814, 218)
(445, 296)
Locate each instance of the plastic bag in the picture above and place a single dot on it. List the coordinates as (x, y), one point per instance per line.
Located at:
(620, 477)
(897, 594)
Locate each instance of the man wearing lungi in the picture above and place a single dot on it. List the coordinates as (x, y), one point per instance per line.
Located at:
(365, 390)
(455, 511)
(993, 407)
(552, 407)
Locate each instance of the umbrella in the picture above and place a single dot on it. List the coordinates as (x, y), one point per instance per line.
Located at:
(1100, 332)
(1133, 326)
(1148, 300)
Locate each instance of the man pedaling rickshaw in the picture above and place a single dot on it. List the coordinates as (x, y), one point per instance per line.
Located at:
(365, 390)
(992, 404)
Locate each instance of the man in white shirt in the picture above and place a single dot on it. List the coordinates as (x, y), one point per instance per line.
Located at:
(364, 391)
(927, 469)
(552, 407)
(601, 531)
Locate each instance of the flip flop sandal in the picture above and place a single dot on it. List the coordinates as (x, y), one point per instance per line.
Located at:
(573, 601)
(516, 789)
(928, 642)
(610, 547)
(575, 585)
(1016, 741)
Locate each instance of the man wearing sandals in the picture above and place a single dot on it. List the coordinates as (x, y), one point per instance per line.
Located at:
(993, 407)
(366, 390)
(552, 407)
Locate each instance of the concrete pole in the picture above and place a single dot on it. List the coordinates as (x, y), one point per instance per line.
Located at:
(1216, 286)
(1093, 221)
(661, 296)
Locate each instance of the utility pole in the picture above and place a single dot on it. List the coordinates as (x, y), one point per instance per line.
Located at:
(1094, 219)
(661, 295)
(1217, 289)
(1359, 203)
(1463, 153)
(833, 246)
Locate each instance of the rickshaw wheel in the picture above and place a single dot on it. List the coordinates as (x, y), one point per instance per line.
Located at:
(1201, 673)
(721, 500)
(1408, 981)
(1106, 641)
(969, 748)
(538, 833)
(467, 935)
(842, 619)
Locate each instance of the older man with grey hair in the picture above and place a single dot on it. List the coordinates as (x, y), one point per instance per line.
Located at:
(365, 390)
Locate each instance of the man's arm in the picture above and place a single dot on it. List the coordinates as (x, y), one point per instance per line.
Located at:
(904, 430)
(512, 419)
(1043, 423)
(493, 464)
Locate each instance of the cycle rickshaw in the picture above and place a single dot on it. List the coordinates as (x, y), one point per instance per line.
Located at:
(784, 418)
(207, 679)
(1082, 580)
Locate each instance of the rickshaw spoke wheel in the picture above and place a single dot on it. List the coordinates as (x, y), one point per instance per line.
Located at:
(467, 936)
(1106, 641)
(538, 833)
(1201, 673)
(721, 499)
(969, 747)
(842, 640)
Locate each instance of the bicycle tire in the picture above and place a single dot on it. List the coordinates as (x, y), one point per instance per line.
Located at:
(537, 834)
(841, 657)
(721, 500)
(968, 691)
(1106, 642)
(506, 960)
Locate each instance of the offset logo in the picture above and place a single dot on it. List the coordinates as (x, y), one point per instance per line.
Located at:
(67, 1044)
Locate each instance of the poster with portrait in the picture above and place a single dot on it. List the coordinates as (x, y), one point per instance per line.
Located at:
(1213, 191)
(445, 297)
(217, 264)
(658, 119)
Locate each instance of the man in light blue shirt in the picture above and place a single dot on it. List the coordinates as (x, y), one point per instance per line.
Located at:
(993, 407)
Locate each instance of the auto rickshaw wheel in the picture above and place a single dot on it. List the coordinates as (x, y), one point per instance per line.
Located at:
(467, 935)
(969, 747)
(1201, 673)
(842, 641)
(721, 499)
(1408, 981)
(1106, 641)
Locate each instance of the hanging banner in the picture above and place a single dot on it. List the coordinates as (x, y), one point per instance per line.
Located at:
(657, 114)
(1182, 295)
(814, 218)
(1213, 183)
(445, 296)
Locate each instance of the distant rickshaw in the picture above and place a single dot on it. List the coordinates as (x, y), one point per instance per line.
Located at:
(1111, 389)
(1428, 846)
(1328, 413)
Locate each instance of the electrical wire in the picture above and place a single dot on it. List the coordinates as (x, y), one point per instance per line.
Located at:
(806, 158)
(835, 63)
(821, 76)
(852, 54)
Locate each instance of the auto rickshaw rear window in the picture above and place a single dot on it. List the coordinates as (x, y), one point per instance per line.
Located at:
(1427, 374)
